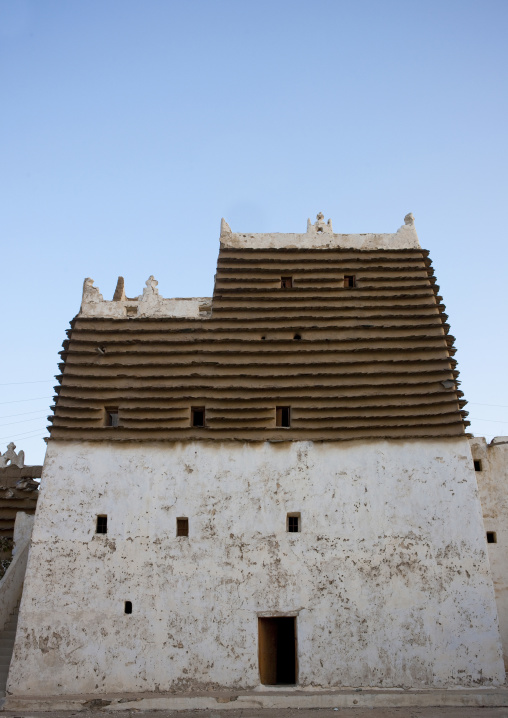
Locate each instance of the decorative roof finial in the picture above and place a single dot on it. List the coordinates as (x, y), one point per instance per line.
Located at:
(409, 219)
(320, 225)
(151, 286)
(10, 455)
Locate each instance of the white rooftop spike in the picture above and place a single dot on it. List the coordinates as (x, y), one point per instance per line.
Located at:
(224, 227)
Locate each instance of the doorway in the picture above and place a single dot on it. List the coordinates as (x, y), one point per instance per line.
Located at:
(277, 650)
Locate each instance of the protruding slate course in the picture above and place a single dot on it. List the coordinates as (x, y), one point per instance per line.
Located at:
(347, 330)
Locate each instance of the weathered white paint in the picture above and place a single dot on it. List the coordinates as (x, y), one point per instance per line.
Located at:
(23, 526)
(12, 458)
(11, 585)
(390, 583)
(320, 236)
(493, 486)
(148, 304)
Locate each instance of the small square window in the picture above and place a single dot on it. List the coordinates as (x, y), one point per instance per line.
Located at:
(128, 607)
(477, 465)
(182, 527)
(102, 525)
(349, 280)
(286, 282)
(293, 523)
(198, 416)
(112, 417)
(283, 417)
(491, 537)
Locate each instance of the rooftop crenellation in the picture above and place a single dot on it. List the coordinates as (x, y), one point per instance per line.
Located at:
(320, 235)
(148, 304)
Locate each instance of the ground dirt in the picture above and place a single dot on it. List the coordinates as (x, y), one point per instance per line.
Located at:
(275, 713)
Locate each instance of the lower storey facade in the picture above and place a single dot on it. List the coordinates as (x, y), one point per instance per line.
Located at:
(199, 565)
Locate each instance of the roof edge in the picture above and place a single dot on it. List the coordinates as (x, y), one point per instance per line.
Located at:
(148, 304)
(320, 235)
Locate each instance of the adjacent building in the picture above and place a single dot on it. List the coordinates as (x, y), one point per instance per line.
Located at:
(491, 467)
(19, 491)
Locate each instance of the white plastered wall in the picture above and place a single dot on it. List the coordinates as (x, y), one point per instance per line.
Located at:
(493, 486)
(388, 578)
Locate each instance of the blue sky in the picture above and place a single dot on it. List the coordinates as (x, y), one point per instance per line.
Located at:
(129, 128)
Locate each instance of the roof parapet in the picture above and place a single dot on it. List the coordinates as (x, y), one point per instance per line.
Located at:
(499, 440)
(320, 235)
(148, 304)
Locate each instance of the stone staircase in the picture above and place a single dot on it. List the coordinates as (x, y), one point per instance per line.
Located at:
(7, 637)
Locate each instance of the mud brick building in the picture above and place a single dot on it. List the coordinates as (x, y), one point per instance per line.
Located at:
(268, 486)
(18, 489)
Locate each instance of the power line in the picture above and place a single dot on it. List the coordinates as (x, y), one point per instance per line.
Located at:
(21, 436)
(14, 436)
(24, 421)
(18, 401)
(18, 383)
(475, 403)
(23, 413)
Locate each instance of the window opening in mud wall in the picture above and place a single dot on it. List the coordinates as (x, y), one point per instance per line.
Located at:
(182, 527)
(491, 537)
(102, 524)
(128, 607)
(477, 464)
(286, 282)
(198, 416)
(277, 651)
(112, 417)
(293, 523)
(349, 280)
(283, 416)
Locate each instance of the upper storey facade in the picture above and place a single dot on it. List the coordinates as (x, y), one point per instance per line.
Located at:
(316, 336)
